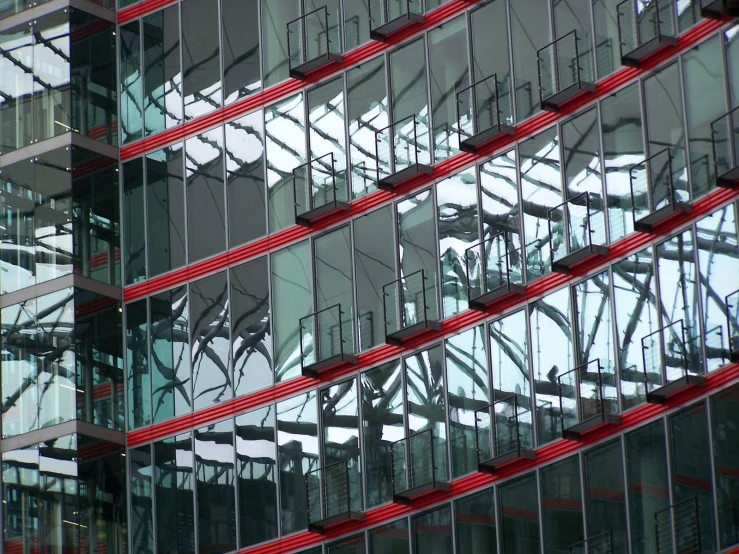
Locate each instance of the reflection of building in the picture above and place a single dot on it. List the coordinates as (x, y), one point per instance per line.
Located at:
(476, 257)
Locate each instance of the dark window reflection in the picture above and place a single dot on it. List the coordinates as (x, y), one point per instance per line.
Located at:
(131, 82)
(209, 323)
(141, 500)
(519, 516)
(175, 519)
(390, 539)
(561, 506)
(474, 523)
(432, 531)
(251, 335)
(137, 364)
(201, 57)
(724, 412)
(256, 455)
(133, 224)
(352, 545)
(605, 494)
(240, 28)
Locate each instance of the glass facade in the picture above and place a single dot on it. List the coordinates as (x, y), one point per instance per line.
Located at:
(249, 307)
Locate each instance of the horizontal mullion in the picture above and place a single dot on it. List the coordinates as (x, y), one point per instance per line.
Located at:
(448, 167)
(466, 319)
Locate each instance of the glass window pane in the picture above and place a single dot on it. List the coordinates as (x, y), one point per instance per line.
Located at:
(595, 329)
(162, 72)
(240, 30)
(247, 209)
(275, 17)
(390, 539)
(327, 134)
(551, 348)
(285, 127)
(206, 194)
(605, 494)
(292, 298)
(333, 259)
(382, 424)
(251, 344)
(432, 531)
(16, 111)
(297, 439)
(170, 335)
(352, 545)
(165, 205)
(356, 24)
(509, 358)
(449, 73)
(467, 382)
(607, 39)
(541, 188)
(17, 233)
(132, 115)
(705, 100)
(731, 45)
(456, 198)
(201, 57)
(375, 267)
(691, 467)
(519, 516)
(489, 28)
(175, 516)
(214, 471)
(211, 372)
(137, 365)
(142, 507)
(474, 523)
(133, 207)
(367, 112)
(561, 506)
(646, 474)
(718, 258)
(425, 398)
(255, 465)
(724, 415)
(408, 90)
(635, 305)
(621, 127)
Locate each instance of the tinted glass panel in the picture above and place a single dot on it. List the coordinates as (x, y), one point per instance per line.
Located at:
(519, 516)
(200, 57)
(241, 68)
(352, 545)
(561, 506)
(605, 494)
(134, 248)
(275, 17)
(474, 523)
(528, 35)
(174, 494)
(509, 358)
(132, 114)
(432, 531)
(137, 365)
(724, 412)
(142, 508)
(333, 268)
(390, 539)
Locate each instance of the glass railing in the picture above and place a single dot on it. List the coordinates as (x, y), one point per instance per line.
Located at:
(732, 321)
(588, 396)
(312, 40)
(643, 27)
(653, 193)
(332, 494)
(409, 304)
(565, 68)
(504, 431)
(415, 464)
(494, 268)
(484, 111)
(402, 151)
(319, 189)
(389, 16)
(725, 140)
(577, 229)
(677, 528)
(600, 544)
(325, 338)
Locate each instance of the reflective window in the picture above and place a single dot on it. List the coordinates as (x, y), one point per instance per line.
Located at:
(17, 234)
(201, 62)
(607, 38)
(408, 90)
(605, 494)
(247, 210)
(725, 433)
(519, 516)
(240, 49)
(297, 439)
(285, 128)
(169, 335)
(327, 134)
(509, 358)
(456, 198)
(162, 71)
(595, 329)
(528, 34)
(432, 531)
(251, 333)
(256, 476)
(141, 499)
(206, 194)
(474, 523)
(137, 365)
(581, 151)
(209, 317)
(731, 46)
(561, 506)
(131, 83)
(214, 471)
(356, 24)
(165, 210)
(175, 517)
(367, 113)
(352, 545)
(374, 259)
(275, 17)
(489, 30)
(646, 474)
(467, 383)
(382, 424)
(292, 298)
(448, 73)
(390, 539)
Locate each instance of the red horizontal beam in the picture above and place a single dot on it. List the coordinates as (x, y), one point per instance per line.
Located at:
(444, 169)
(451, 326)
(640, 415)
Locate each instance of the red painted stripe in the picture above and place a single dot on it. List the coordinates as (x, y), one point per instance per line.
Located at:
(451, 326)
(370, 202)
(727, 376)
